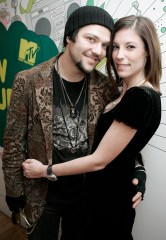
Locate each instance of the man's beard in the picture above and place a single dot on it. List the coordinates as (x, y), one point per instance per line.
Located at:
(82, 69)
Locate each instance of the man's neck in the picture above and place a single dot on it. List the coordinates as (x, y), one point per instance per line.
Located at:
(67, 69)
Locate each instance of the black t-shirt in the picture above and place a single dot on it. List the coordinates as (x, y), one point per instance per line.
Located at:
(67, 131)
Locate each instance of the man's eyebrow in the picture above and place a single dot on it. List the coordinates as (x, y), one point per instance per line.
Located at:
(95, 36)
(91, 34)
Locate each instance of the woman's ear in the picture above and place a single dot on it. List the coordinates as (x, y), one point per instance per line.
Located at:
(147, 53)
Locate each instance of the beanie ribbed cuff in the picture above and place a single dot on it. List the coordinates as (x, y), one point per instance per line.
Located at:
(87, 15)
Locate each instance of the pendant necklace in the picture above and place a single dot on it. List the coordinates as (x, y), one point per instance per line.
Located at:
(73, 110)
(73, 148)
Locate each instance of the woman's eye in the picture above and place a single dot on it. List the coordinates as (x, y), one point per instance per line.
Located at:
(114, 46)
(131, 46)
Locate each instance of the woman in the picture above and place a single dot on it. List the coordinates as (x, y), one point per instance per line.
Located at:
(123, 130)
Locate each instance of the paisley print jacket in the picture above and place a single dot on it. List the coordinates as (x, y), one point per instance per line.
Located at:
(28, 131)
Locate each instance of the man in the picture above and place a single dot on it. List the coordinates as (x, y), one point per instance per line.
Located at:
(52, 117)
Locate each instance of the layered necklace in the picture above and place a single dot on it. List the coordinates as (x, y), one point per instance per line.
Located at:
(73, 111)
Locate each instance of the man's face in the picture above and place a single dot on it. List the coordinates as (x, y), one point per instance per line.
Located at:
(89, 47)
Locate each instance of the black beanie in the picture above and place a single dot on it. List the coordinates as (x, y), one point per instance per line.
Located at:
(87, 15)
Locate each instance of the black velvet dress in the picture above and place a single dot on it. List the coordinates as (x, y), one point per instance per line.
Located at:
(109, 192)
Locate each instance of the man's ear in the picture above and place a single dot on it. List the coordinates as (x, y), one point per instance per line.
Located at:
(68, 39)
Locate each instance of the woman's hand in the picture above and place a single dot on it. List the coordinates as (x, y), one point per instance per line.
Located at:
(34, 169)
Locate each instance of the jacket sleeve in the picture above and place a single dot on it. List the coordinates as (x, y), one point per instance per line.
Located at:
(14, 139)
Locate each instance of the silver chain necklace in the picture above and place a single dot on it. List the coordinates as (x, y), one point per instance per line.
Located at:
(73, 110)
(73, 148)
(74, 113)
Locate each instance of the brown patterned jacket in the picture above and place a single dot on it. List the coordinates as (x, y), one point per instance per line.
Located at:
(28, 132)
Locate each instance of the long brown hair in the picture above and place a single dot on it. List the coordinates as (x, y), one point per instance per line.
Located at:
(147, 32)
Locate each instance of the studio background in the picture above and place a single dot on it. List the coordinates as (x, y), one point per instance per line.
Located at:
(31, 31)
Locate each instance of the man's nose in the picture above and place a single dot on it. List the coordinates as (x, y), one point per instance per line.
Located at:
(97, 49)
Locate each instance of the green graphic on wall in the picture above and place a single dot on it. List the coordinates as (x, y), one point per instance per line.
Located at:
(20, 49)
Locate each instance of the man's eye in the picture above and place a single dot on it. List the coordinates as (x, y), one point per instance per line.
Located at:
(91, 39)
(106, 46)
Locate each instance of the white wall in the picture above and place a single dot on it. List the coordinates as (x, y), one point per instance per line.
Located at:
(3, 206)
(150, 223)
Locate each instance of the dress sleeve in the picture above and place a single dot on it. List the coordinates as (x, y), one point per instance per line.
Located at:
(134, 108)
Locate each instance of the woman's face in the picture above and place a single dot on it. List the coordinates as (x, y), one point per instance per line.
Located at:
(129, 54)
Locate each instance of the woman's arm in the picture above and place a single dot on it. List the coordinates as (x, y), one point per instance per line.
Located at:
(114, 141)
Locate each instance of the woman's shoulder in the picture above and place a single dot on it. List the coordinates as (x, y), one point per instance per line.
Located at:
(142, 92)
(142, 100)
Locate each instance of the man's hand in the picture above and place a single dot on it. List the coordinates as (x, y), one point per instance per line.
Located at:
(15, 204)
(139, 181)
(138, 196)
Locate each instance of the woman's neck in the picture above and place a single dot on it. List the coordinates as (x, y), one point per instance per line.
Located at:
(135, 81)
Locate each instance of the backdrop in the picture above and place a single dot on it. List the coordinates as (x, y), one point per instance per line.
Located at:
(31, 31)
